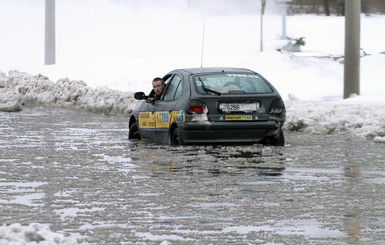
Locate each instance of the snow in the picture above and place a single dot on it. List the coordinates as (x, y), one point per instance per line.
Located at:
(21, 89)
(17, 234)
(117, 48)
(108, 49)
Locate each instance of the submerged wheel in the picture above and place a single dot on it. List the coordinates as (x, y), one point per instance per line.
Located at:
(276, 141)
(133, 133)
(176, 138)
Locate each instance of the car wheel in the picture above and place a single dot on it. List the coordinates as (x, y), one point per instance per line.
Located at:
(176, 138)
(133, 133)
(276, 141)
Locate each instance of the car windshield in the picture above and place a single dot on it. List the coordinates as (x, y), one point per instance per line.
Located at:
(231, 83)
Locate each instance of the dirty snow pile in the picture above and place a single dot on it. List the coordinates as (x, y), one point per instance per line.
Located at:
(21, 89)
(328, 117)
(32, 234)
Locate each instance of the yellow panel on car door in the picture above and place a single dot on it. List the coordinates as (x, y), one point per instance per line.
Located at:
(162, 119)
(146, 120)
(178, 116)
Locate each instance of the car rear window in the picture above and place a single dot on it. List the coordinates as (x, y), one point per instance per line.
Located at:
(231, 83)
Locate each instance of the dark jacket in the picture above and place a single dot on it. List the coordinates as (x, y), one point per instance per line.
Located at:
(154, 95)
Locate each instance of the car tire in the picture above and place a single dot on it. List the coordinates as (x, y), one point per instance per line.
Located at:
(276, 141)
(176, 137)
(133, 133)
(280, 141)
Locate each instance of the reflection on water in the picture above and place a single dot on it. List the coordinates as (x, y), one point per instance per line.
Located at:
(212, 160)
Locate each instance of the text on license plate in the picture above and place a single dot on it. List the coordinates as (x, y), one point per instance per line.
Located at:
(227, 107)
(239, 117)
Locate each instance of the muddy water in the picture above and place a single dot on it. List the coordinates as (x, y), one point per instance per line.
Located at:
(78, 173)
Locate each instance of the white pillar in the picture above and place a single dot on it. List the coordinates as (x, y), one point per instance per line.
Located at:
(50, 42)
(284, 11)
(284, 4)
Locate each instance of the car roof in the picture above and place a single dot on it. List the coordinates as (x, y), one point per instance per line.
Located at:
(200, 70)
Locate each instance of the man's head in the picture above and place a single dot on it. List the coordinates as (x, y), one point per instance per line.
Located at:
(158, 85)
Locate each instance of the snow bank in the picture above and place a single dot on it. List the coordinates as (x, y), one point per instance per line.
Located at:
(366, 120)
(329, 117)
(21, 89)
(32, 234)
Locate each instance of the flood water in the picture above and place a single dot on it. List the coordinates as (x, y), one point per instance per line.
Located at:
(78, 173)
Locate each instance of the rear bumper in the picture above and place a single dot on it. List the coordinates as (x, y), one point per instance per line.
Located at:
(228, 132)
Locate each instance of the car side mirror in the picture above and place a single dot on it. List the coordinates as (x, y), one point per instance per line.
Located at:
(140, 96)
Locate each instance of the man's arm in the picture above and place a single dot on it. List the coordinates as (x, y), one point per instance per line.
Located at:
(152, 93)
(151, 96)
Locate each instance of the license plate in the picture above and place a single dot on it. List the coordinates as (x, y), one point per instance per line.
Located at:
(230, 107)
(239, 118)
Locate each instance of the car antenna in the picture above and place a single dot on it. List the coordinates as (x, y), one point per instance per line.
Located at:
(203, 41)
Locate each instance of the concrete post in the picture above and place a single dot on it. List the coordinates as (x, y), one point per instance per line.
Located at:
(284, 13)
(284, 5)
(263, 6)
(352, 48)
(50, 42)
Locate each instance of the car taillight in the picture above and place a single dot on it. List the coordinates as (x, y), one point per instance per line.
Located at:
(277, 107)
(196, 106)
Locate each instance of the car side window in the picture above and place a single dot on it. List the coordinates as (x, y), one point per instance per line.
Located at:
(174, 89)
(167, 79)
(179, 88)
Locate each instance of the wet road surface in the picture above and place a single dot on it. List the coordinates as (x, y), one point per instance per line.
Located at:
(78, 173)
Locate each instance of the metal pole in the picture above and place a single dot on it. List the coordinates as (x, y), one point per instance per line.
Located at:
(261, 36)
(50, 42)
(352, 48)
(263, 5)
(284, 10)
(203, 42)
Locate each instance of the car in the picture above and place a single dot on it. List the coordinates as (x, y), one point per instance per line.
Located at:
(215, 105)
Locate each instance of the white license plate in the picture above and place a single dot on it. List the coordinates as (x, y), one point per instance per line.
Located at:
(229, 107)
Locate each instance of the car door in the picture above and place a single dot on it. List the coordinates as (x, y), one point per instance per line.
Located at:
(147, 122)
(164, 108)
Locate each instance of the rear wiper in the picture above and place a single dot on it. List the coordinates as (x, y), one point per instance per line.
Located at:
(207, 89)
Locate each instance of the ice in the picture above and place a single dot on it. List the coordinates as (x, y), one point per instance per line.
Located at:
(379, 139)
(313, 228)
(32, 234)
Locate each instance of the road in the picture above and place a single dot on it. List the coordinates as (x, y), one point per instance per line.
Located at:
(77, 172)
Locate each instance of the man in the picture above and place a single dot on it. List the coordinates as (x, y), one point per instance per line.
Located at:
(158, 87)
